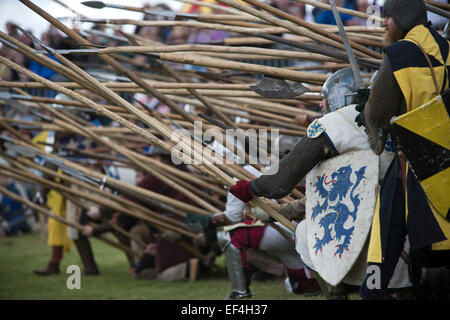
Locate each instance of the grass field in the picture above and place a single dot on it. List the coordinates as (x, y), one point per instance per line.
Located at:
(20, 255)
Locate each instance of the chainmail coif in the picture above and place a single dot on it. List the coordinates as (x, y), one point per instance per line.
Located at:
(406, 13)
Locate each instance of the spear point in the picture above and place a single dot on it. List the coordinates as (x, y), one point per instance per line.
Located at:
(94, 4)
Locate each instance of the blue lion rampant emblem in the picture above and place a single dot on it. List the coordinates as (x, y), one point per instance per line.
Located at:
(336, 193)
(315, 129)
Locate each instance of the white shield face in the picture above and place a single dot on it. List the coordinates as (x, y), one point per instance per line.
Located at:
(301, 244)
(340, 200)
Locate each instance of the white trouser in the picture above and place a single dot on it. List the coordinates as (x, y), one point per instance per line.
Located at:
(274, 244)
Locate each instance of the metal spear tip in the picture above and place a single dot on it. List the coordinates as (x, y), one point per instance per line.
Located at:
(278, 89)
(104, 21)
(4, 138)
(94, 4)
(36, 41)
(41, 116)
(15, 150)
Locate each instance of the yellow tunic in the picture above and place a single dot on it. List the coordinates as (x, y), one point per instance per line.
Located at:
(413, 74)
(57, 232)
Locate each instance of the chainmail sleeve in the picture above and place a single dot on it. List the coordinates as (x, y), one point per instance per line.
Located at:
(293, 167)
(385, 101)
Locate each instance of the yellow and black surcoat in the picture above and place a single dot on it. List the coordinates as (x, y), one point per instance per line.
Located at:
(411, 68)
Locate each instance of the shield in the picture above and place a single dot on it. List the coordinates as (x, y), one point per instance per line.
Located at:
(423, 136)
(301, 244)
(340, 201)
(356, 274)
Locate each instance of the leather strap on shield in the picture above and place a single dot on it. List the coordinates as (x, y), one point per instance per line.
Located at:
(433, 75)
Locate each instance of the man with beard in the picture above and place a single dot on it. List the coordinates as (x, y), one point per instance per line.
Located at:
(415, 69)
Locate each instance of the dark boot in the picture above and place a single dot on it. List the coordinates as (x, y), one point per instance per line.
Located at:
(87, 257)
(234, 295)
(300, 283)
(53, 265)
(52, 268)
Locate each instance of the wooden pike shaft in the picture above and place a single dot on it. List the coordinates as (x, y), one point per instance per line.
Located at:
(210, 17)
(18, 174)
(117, 228)
(148, 215)
(133, 237)
(88, 102)
(214, 48)
(193, 24)
(158, 85)
(137, 190)
(46, 61)
(441, 5)
(253, 115)
(155, 168)
(133, 158)
(311, 27)
(293, 27)
(235, 41)
(269, 106)
(194, 92)
(234, 15)
(130, 155)
(213, 6)
(169, 170)
(109, 60)
(183, 89)
(120, 85)
(290, 132)
(361, 50)
(53, 100)
(206, 167)
(120, 101)
(111, 132)
(113, 226)
(265, 204)
(13, 131)
(75, 225)
(198, 60)
(224, 64)
(351, 12)
(236, 93)
(184, 175)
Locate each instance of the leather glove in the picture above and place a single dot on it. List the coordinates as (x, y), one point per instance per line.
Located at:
(242, 191)
(261, 215)
(360, 100)
(197, 223)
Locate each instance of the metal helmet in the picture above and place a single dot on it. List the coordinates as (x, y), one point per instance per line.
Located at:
(339, 88)
(406, 13)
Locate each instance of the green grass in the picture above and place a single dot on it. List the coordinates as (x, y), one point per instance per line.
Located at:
(20, 255)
